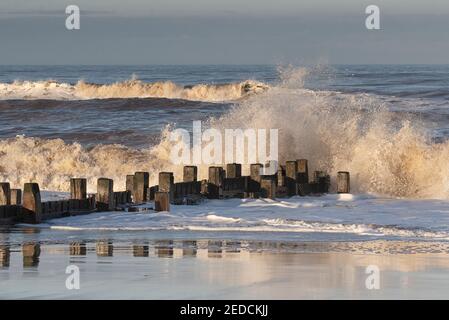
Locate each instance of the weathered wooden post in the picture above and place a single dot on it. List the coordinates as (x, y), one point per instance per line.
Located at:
(162, 201)
(16, 196)
(252, 188)
(268, 186)
(190, 174)
(216, 175)
(150, 193)
(130, 183)
(78, 188)
(303, 171)
(323, 181)
(281, 176)
(3, 213)
(303, 187)
(291, 172)
(255, 171)
(167, 184)
(141, 184)
(5, 194)
(105, 194)
(343, 182)
(233, 170)
(32, 205)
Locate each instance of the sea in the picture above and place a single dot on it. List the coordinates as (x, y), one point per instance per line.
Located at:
(388, 125)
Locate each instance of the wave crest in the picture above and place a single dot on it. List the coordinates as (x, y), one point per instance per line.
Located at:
(130, 89)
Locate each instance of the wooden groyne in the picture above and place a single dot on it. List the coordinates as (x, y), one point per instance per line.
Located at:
(291, 179)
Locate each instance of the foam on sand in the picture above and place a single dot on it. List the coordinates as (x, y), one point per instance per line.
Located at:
(365, 216)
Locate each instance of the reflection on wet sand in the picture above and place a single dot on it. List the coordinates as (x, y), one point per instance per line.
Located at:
(387, 255)
(78, 249)
(141, 250)
(189, 248)
(31, 252)
(164, 248)
(214, 249)
(4, 256)
(232, 246)
(105, 248)
(233, 269)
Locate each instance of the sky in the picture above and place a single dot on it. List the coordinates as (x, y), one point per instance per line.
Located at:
(223, 32)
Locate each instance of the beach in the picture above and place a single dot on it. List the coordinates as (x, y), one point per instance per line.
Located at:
(213, 269)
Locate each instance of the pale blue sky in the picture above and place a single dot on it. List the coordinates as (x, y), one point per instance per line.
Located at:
(223, 32)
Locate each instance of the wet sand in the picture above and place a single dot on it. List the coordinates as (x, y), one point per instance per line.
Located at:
(214, 269)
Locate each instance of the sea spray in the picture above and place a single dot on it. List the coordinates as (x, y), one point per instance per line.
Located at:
(334, 131)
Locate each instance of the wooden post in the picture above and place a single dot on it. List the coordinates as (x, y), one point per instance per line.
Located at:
(16, 196)
(78, 188)
(281, 176)
(233, 170)
(268, 186)
(167, 184)
(255, 170)
(343, 182)
(105, 194)
(3, 212)
(253, 187)
(291, 172)
(303, 171)
(162, 201)
(130, 183)
(5, 194)
(32, 205)
(150, 193)
(190, 174)
(141, 184)
(323, 181)
(216, 175)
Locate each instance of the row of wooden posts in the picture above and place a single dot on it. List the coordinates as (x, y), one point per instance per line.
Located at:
(291, 179)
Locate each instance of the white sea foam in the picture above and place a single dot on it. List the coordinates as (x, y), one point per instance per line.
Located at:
(368, 216)
(216, 218)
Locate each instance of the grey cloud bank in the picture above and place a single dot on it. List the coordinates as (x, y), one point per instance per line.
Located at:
(217, 32)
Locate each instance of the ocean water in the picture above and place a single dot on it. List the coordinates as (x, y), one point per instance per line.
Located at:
(386, 124)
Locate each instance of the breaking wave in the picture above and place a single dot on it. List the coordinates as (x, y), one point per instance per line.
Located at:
(129, 89)
(385, 154)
